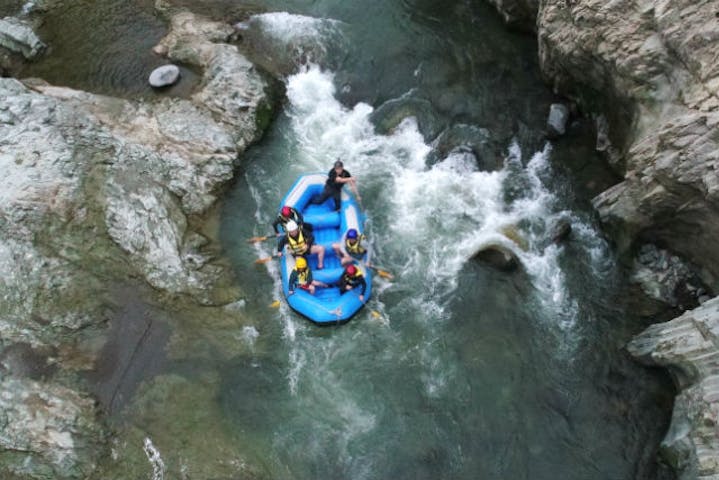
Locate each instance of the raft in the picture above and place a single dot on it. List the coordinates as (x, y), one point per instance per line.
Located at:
(326, 306)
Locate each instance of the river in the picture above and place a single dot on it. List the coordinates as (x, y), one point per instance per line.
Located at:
(454, 369)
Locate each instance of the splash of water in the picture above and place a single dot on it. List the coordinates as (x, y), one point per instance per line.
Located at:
(153, 455)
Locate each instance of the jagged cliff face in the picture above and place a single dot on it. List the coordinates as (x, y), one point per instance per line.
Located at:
(688, 346)
(656, 62)
(652, 67)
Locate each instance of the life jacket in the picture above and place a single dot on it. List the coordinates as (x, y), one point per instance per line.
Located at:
(352, 279)
(299, 244)
(355, 249)
(303, 276)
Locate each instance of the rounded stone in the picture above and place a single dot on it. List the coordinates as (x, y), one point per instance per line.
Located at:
(164, 76)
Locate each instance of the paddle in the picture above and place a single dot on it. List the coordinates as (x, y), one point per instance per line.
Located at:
(260, 261)
(260, 239)
(382, 272)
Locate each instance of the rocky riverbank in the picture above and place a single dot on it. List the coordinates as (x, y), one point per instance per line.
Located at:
(648, 72)
(96, 190)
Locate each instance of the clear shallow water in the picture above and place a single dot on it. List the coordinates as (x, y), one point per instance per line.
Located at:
(466, 372)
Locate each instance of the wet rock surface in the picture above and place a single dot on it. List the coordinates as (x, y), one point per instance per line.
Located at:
(18, 36)
(165, 75)
(649, 73)
(687, 347)
(96, 188)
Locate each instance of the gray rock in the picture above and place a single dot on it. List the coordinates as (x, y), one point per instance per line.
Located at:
(518, 13)
(95, 187)
(557, 120)
(660, 274)
(687, 346)
(653, 66)
(498, 256)
(53, 427)
(18, 36)
(164, 76)
(560, 229)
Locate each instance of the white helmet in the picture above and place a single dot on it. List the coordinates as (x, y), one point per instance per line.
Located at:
(291, 226)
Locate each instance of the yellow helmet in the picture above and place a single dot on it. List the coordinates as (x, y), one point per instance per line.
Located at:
(300, 263)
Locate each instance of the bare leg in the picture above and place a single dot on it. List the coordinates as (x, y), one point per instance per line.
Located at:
(320, 251)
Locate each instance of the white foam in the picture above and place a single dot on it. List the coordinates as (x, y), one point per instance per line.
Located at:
(153, 455)
(444, 212)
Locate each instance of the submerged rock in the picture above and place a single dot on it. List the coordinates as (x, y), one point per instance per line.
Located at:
(497, 256)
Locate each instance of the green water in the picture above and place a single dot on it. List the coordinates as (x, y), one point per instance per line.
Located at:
(462, 371)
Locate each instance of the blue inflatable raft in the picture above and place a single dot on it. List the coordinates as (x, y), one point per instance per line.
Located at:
(326, 306)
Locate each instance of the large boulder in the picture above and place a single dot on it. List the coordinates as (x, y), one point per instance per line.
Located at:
(654, 67)
(687, 346)
(18, 36)
(95, 187)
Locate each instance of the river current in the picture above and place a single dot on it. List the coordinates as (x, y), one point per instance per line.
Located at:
(454, 369)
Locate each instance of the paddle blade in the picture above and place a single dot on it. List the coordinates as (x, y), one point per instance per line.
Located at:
(260, 261)
(257, 239)
(275, 304)
(376, 314)
(385, 274)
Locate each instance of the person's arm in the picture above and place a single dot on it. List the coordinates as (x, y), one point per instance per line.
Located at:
(299, 220)
(346, 177)
(281, 243)
(309, 238)
(362, 282)
(275, 224)
(293, 280)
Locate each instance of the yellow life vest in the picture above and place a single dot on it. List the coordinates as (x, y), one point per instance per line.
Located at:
(303, 277)
(357, 249)
(349, 279)
(297, 245)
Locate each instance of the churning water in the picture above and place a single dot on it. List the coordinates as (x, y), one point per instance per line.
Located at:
(454, 369)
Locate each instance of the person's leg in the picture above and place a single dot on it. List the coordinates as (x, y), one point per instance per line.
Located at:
(336, 196)
(337, 249)
(320, 251)
(320, 199)
(311, 288)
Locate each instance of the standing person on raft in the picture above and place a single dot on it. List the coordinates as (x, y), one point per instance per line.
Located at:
(336, 179)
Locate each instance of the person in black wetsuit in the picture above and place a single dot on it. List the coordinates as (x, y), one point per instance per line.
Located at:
(286, 214)
(352, 278)
(336, 178)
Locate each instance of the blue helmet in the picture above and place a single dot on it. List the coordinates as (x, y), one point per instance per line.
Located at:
(352, 233)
